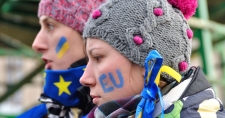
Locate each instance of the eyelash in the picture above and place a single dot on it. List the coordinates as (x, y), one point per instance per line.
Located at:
(97, 58)
(50, 26)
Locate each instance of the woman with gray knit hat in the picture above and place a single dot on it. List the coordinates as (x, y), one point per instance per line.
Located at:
(139, 62)
(62, 47)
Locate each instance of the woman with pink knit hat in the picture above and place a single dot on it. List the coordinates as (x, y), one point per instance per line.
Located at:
(139, 62)
(62, 47)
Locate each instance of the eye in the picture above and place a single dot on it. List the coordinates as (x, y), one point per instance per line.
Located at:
(98, 58)
(50, 26)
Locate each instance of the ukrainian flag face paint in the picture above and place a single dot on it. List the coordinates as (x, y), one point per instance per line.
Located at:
(62, 47)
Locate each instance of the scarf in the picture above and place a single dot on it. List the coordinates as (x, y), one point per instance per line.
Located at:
(121, 108)
(57, 110)
(63, 96)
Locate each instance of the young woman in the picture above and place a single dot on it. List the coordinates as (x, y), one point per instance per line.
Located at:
(139, 62)
(62, 47)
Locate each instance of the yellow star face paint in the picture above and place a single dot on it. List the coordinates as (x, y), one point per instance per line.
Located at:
(62, 47)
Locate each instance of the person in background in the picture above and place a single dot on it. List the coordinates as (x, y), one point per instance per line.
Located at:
(139, 62)
(62, 47)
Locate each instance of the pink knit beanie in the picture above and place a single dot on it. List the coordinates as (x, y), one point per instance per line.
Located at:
(73, 13)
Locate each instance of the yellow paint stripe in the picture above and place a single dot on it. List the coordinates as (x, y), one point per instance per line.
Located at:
(64, 48)
(208, 108)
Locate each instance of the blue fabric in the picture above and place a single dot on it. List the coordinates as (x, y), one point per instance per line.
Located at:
(35, 112)
(72, 75)
(152, 66)
(85, 116)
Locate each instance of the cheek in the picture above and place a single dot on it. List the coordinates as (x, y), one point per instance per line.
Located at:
(61, 47)
(137, 79)
(111, 81)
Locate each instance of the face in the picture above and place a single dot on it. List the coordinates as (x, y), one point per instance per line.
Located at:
(109, 74)
(59, 44)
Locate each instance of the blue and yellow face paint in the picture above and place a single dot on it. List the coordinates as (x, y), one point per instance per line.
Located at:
(62, 47)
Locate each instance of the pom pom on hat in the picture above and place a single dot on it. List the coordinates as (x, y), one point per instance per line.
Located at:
(187, 7)
(138, 40)
(190, 33)
(158, 11)
(96, 14)
(183, 66)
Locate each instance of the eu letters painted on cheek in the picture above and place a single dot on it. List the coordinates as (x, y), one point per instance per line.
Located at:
(105, 85)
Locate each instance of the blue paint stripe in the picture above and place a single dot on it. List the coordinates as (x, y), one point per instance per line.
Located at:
(62, 41)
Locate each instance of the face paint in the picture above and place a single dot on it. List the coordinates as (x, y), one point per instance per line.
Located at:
(62, 47)
(104, 84)
(111, 88)
(120, 85)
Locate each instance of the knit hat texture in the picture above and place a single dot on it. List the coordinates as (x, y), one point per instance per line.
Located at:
(135, 27)
(72, 13)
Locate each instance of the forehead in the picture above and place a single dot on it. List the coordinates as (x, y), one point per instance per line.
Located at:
(94, 43)
(44, 18)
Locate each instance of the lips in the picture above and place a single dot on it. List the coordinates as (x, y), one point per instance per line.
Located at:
(95, 99)
(48, 65)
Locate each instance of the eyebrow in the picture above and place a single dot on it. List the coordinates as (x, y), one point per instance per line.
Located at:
(91, 50)
(44, 20)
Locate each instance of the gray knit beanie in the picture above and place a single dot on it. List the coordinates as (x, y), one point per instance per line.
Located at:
(135, 27)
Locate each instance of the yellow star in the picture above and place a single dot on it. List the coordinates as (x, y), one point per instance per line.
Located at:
(63, 86)
(84, 69)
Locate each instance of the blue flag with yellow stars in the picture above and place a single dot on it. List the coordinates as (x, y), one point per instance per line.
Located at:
(61, 85)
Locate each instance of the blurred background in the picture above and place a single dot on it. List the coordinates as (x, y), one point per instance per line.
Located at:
(21, 69)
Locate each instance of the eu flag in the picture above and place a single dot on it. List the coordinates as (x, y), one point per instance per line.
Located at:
(61, 85)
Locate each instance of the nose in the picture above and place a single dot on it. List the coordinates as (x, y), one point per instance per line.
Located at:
(40, 42)
(88, 78)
